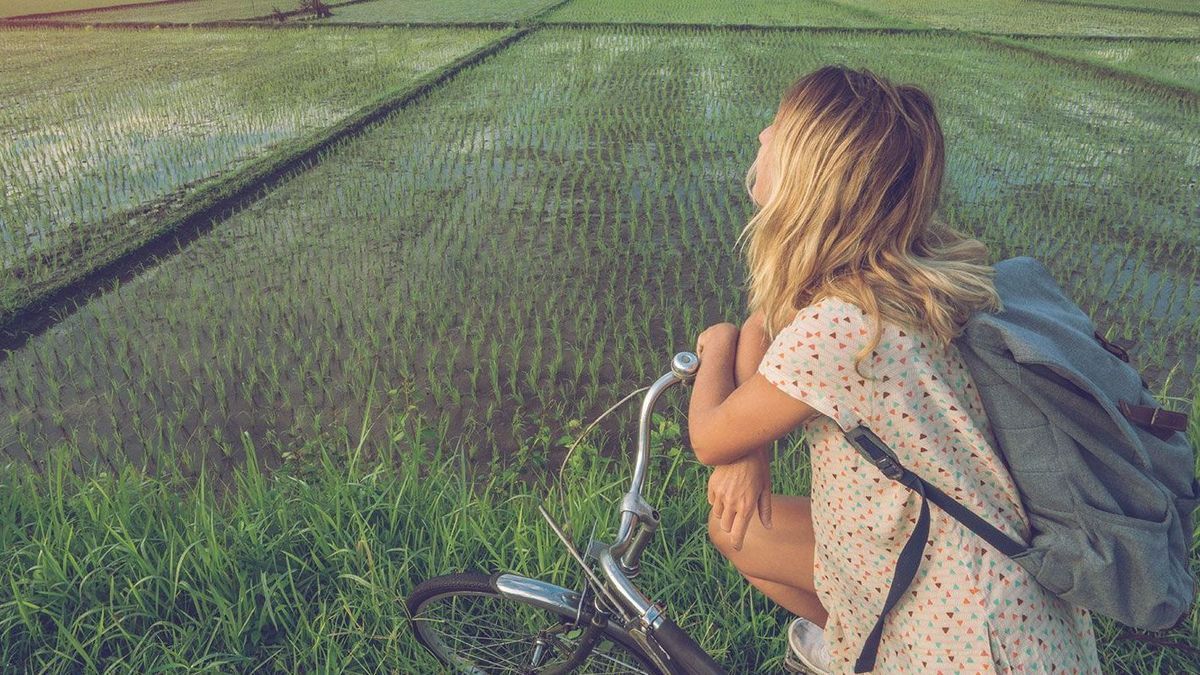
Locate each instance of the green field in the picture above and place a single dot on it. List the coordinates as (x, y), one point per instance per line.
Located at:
(474, 199)
(186, 12)
(1028, 17)
(243, 458)
(92, 142)
(23, 7)
(1175, 62)
(427, 11)
(1188, 6)
(766, 12)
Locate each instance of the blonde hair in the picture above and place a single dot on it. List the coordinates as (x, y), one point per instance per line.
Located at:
(858, 164)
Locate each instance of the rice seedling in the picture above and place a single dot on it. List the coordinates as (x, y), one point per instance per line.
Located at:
(94, 118)
(1031, 18)
(759, 12)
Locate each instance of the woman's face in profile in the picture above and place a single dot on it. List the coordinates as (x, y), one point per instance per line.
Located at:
(764, 177)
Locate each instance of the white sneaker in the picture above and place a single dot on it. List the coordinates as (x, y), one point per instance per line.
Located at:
(807, 651)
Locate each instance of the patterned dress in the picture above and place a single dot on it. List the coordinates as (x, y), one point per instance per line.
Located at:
(970, 609)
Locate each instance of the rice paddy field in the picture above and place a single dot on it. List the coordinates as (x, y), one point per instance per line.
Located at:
(97, 151)
(1174, 62)
(183, 11)
(764, 12)
(197, 11)
(190, 11)
(11, 8)
(1183, 6)
(428, 11)
(244, 456)
(1030, 17)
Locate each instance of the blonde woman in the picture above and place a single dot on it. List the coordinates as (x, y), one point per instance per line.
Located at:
(855, 291)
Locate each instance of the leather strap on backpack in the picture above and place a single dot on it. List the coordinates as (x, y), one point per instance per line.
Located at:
(1158, 421)
(1117, 351)
(878, 453)
(1114, 349)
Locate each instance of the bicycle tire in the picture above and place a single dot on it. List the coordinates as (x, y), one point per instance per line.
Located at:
(617, 652)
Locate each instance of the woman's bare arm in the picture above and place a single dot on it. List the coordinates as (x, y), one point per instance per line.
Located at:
(752, 346)
(727, 420)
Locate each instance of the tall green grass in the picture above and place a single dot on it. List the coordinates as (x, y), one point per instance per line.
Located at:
(307, 570)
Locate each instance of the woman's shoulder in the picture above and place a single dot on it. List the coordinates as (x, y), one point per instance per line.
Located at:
(835, 318)
(829, 309)
(842, 323)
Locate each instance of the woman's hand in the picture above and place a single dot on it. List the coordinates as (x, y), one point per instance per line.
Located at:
(719, 338)
(737, 490)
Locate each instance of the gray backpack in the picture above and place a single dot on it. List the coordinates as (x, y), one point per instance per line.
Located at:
(1106, 476)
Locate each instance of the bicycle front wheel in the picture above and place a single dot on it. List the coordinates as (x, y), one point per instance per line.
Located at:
(473, 628)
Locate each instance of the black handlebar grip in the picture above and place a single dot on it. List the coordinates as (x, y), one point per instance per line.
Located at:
(686, 656)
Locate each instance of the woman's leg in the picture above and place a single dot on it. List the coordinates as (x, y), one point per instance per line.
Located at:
(778, 561)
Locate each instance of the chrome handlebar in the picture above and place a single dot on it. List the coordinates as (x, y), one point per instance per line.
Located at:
(633, 507)
(620, 561)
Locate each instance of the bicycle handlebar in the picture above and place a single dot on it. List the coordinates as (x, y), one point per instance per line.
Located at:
(688, 656)
(684, 367)
(620, 561)
(638, 522)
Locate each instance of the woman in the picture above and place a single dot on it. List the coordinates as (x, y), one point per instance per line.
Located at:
(855, 291)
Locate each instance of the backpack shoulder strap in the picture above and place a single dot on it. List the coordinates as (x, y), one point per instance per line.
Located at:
(877, 453)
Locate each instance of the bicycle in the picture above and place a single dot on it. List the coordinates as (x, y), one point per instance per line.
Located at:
(506, 623)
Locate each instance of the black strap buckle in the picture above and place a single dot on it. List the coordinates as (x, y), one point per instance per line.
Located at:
(875, 451)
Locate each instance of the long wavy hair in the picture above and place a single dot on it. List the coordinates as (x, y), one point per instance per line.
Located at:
(858, 164)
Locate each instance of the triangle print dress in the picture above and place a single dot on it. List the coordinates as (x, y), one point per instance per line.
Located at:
(970, 609)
